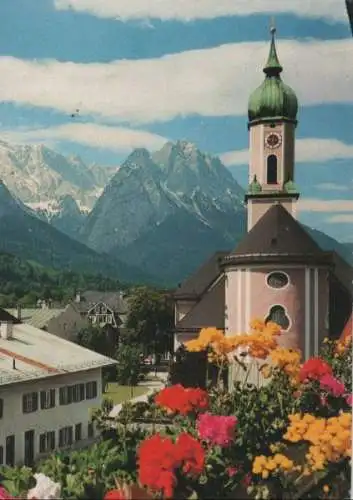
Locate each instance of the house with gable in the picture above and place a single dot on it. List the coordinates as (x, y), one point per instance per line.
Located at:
(106, 310)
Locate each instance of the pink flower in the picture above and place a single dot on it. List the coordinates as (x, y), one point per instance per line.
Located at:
(217, 430)
(323, 400)
(4, 495)
(232, 471)
(349, 399)
(247, 480)
(329, 383)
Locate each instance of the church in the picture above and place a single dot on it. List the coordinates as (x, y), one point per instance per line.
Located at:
(277, 272)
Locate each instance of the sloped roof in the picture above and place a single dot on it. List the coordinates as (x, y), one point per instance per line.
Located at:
(6, 315)
(276, 234)
(113, 300)
(208, 312)
(38, 317)
(196, 284)
(39, 354)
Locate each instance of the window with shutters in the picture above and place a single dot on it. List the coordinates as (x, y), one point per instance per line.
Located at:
(278, 315)
(30, 402)
(47, 442)
(1, 407)
(47, 399)
(78, 432)
(78, 393)
(65, 436)
(1, 455)
(91, 390)
(64, 396)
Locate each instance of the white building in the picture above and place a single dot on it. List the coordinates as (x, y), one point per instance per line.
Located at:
(47, 387)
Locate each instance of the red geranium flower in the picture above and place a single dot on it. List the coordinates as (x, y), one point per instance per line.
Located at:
(191, 454)
(159, 458)
(314, 369)
(178, 399)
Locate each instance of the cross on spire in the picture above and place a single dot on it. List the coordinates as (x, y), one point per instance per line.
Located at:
(273, 66)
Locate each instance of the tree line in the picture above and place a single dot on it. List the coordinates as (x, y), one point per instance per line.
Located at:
(25, 282)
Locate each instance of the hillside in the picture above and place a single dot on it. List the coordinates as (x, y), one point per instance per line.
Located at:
(24, 282)
(29, 238)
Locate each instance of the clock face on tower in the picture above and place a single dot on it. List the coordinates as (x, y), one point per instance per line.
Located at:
(273, 140)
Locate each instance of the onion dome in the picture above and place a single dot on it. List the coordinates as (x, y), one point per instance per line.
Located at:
(255, 186)
(273, 99)
(290, 187)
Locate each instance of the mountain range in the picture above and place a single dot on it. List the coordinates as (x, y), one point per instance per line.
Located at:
(162, 212)
(37, 175)
(167, 211)
(28, 237)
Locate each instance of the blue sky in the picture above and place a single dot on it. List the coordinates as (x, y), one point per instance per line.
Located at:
(144, 72)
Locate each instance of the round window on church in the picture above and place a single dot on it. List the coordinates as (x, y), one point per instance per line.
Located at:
(277, 280)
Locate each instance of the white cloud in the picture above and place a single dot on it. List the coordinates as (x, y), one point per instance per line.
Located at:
(306, 150)
(210, 82)
(325, 206)
(341, 219)
(331, 186)
(187, 10)
(90, 134)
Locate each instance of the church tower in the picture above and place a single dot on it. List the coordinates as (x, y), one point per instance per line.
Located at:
(272, 112)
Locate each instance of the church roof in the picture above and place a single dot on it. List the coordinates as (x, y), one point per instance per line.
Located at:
(194, 286)
(278, 235)
(209, 312)
(273, 98)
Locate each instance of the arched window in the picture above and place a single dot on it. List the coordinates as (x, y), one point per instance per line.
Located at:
(272, 169)
(278, 315)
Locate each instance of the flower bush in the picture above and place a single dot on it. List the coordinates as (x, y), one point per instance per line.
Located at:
(284, 434)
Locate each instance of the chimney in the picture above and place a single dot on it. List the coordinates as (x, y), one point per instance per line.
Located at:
(6, 328)
(78, 297)
(19, 311)
(14, 363)
(44, 304)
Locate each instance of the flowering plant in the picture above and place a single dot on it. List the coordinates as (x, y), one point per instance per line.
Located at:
(163, 464)
(285, 433)
(178, 399)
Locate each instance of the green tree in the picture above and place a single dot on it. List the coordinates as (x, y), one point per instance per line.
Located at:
(128, 364)
(96, 339)
(150, 319)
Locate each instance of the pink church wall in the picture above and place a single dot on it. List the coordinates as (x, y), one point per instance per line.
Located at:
(305, 299)
(263, 297)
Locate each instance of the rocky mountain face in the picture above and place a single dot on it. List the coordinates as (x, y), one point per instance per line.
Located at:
(168, 210)
(64, 214)
(36, 175)
(28, 237)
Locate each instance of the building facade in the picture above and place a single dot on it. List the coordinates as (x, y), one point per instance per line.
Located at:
(103, 309)
(47, 387)
(277, 272)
